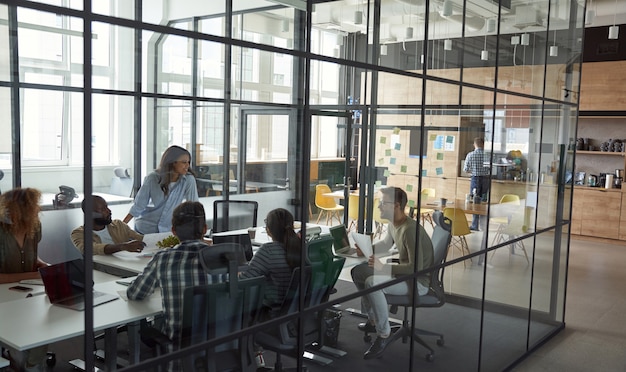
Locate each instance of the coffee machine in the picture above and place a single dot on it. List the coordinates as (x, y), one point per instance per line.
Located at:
(619, 177)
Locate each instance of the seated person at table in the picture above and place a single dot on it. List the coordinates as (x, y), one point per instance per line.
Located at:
(276, 260)
(177, 268)
(402, 231)
(20, 233)
(109, 235)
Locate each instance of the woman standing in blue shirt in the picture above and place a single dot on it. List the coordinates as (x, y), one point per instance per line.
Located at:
(162, 191)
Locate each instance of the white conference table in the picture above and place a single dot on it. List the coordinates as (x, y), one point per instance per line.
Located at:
(132, 263)
(31, 322)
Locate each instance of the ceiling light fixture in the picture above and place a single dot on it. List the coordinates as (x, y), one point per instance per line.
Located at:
(358, 17)
(447, 8)
(554, 50)
(525, 39)
(484, 55)
(614, 30)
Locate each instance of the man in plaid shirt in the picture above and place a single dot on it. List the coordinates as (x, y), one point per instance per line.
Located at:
(474, 164)
(176, 268)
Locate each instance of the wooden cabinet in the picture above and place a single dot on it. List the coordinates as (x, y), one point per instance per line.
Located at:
(577, 211)
(599, 211)
(622, 220)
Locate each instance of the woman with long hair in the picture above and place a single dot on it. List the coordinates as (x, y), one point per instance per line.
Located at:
(163, 190)
(277, 259)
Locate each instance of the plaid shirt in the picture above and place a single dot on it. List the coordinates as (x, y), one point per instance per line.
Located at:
(173, 270)
(474, 163)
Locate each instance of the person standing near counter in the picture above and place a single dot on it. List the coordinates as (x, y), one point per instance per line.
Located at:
(163, 190)
(474, 164)
(109, 235)
(20, 233)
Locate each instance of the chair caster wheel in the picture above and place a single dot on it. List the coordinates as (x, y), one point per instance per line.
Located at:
(441, 342)
(51, 359)
(367, 338)
(430, 357)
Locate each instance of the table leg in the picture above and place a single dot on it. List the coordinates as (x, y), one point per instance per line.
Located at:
(482, 223)
(133, 343)
(110, 348)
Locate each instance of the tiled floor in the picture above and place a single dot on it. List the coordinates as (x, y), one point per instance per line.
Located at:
(594, 338)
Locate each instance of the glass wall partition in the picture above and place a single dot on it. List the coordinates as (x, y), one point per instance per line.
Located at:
(276, 98)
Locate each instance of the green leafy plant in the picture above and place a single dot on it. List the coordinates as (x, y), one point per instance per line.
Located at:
(168, 242)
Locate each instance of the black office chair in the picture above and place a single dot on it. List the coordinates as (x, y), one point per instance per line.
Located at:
(319, 279)
(216, 310)
(234, 215)
(435, 296)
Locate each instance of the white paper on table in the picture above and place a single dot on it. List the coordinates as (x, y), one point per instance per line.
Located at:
(152, 239)
(364, 242)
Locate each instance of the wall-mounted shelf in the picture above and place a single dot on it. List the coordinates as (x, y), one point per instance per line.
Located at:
(601, 153)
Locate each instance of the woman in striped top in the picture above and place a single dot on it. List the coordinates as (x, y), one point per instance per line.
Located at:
(276, 260)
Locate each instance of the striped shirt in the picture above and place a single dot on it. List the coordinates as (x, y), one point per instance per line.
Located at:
(474, 163)
(270, 261)
(173, 270)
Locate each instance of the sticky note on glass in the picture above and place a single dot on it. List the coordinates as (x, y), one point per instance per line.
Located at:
(392, 161)
(396, 130)
(411, 203)
(439, 171)
(432, 137)
(381, 161)
(378, 183)
(403, 168)
(409, 188)
(397, 146)
(388, 152)
(439, 156)
(424, 172)
(383, 140)
(386, 173)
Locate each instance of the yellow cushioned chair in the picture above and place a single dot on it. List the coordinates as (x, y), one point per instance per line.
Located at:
(460, 228)
(327, 204)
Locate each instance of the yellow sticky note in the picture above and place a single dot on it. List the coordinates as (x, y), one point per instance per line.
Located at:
(383, 140)
(388, 152)
(386, 173)
(403, 168)
(396, 130)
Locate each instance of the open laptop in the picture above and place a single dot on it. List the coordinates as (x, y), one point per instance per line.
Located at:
(65, 285)
(341, 242)
(243, 239)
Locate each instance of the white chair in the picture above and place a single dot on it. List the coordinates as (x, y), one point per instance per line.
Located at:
(122, 183)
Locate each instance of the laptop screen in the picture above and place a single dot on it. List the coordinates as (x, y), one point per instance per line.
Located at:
(340, 237)
(243, 239)
(64, 280)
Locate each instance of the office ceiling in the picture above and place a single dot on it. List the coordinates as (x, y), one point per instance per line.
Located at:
(445, 16)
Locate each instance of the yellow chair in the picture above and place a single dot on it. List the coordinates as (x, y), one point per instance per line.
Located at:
(353, 211)
(426, 213)
(380, 222)
(519, 224)
(460, 228)
(502, 221)
(327, 204)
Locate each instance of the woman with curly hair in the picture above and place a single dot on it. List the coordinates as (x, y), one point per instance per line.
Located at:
(20, 233)
(163, 190)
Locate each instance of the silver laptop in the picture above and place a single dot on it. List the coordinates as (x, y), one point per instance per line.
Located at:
(65, 285)
(341, 242)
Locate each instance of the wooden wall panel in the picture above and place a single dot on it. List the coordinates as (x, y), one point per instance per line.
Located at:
(603, 86)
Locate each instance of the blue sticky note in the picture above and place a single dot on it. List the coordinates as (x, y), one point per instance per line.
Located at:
(392, 161)
(439, 171)
(397, 146)
(424, 172)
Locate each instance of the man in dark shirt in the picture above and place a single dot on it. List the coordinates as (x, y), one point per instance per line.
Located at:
(474, 164)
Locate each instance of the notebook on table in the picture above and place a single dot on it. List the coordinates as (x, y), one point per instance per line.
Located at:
(341, 242)
(65, 285)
